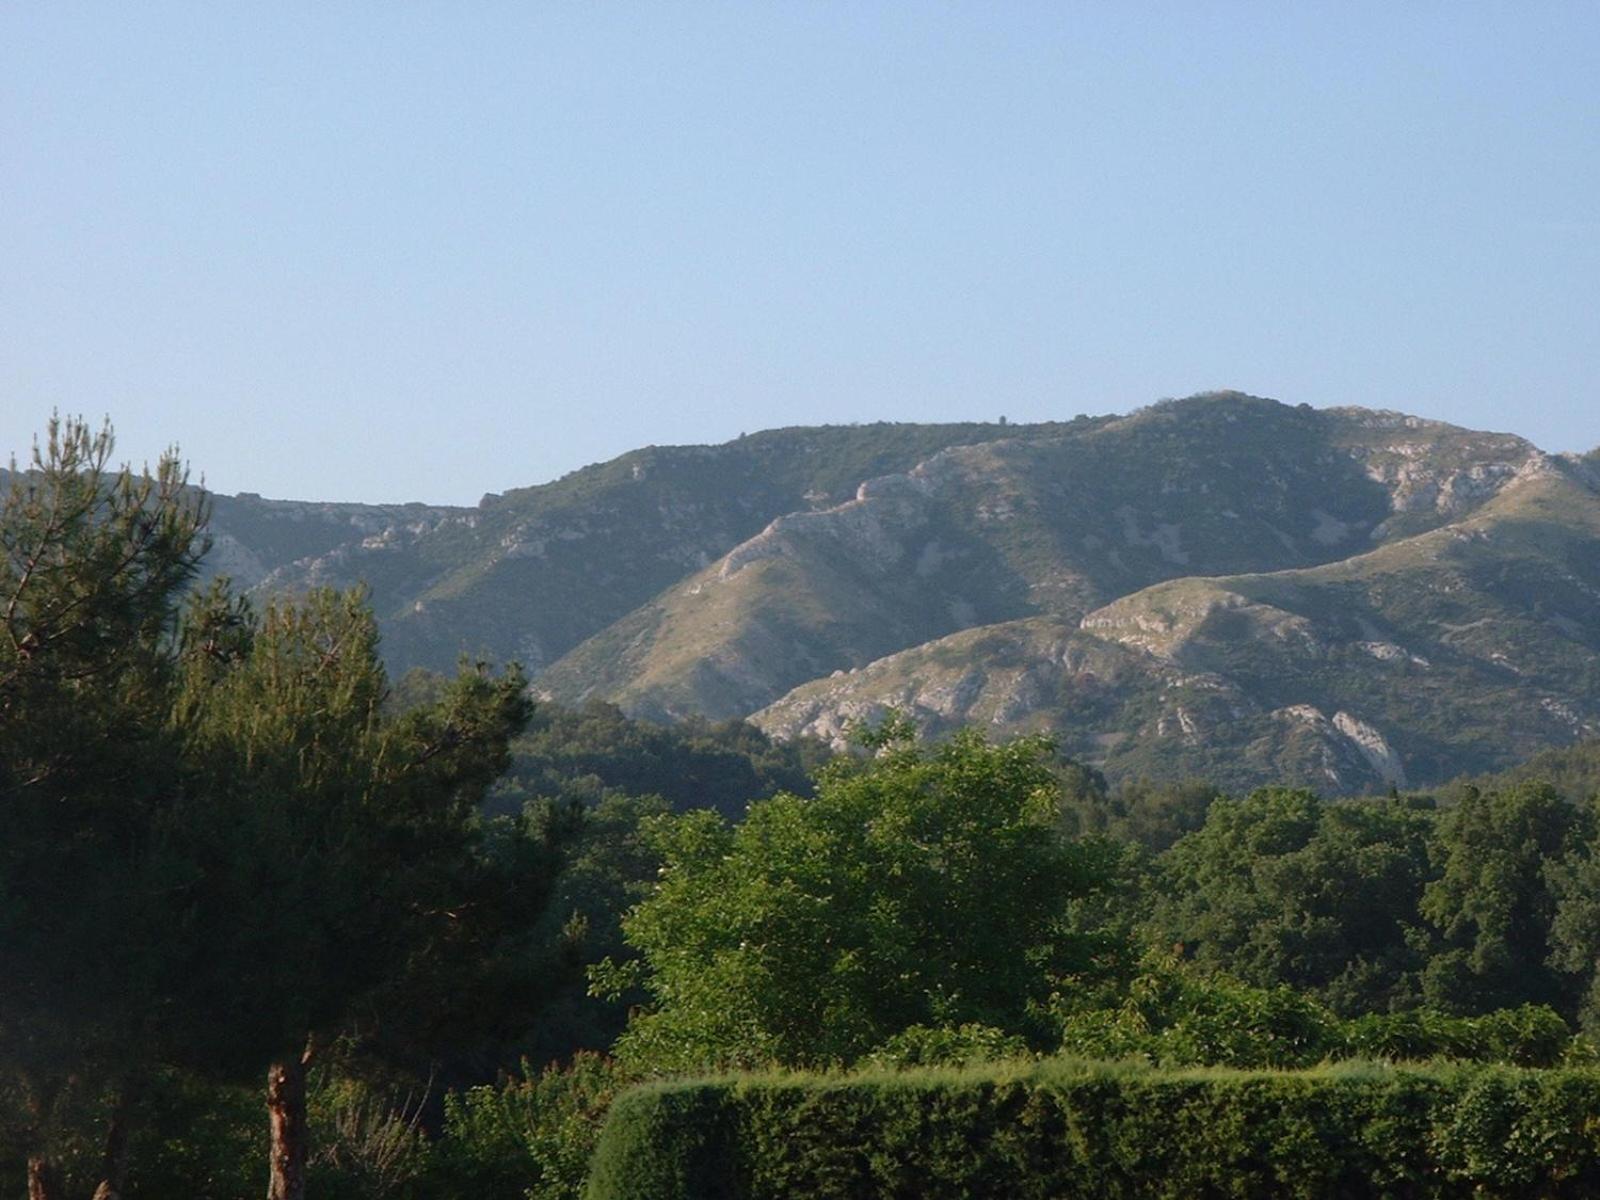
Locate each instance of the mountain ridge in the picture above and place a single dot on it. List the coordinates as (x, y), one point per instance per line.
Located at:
(1053, 525)
(1189, 587)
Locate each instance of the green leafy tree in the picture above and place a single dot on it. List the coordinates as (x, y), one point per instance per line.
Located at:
(608, 866)
(1574, 881)
(920, 887)
(1175, 1016)
(532, 1136)
(1280, 888)
(595, 750)
(1493, 907)
(1151, 814)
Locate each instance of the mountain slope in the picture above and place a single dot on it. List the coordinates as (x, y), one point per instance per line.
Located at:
(1054, 526)
(1464, 648)
(254, 540)
(530, 574)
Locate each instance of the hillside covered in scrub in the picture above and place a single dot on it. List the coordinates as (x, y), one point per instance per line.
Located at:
(1223, 586)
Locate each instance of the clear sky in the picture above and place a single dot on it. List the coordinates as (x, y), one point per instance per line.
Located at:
(422, 251)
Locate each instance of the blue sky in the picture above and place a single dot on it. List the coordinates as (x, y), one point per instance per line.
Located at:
(423, 251)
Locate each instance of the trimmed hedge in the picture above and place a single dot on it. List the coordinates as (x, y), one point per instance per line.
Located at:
(1061, 1130)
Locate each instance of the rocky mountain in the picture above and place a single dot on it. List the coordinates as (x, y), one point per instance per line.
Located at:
(260, 544)
(1057, 526)
(532, 573)
(1464, 648)
(1223, 585)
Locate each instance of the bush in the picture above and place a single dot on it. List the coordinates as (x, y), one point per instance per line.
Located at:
(207, 1141)
(200, 1140)
(940, 1046)
(1066, 1129)
(1529, 1036)
(1173, 1016)
(365, 1145)
(530, 1137)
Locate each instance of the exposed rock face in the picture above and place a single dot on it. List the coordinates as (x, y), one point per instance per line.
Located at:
(533, 572)
(267, 543)
(1374, 748)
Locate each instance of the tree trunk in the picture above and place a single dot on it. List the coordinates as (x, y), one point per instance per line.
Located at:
(286, 1114)
(114, 1162)
(44, 1179)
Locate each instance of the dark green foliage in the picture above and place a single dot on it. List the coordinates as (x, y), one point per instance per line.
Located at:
(1060, 1130)
(198, 1140)
(349, 877)
(368, 1143)
(594, 776)
(1174, 1016)
(609, 865)
(1153, 815)
(1574, 771)
(583, 753)
(1528, 1036)
(530, 1137)
(92, 564)
(667, 1141)
(1280, 888)
(1493, 905)
(203, 1141)
(943, 1046)
(1574, 933)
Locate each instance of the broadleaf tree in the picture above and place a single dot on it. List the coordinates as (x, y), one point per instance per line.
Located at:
(926, 886)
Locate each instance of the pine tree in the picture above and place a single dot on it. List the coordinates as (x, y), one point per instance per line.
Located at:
(92, 564)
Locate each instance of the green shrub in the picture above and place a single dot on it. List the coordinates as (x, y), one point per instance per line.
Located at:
(208, 1141)
(1174, 1016)
(675, 1140)
(1412, 1036)
(1529, 1036)
(200, 1140)
(940, 1046)
(530, 1137)
(365, 1144)
(1064, 1130)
